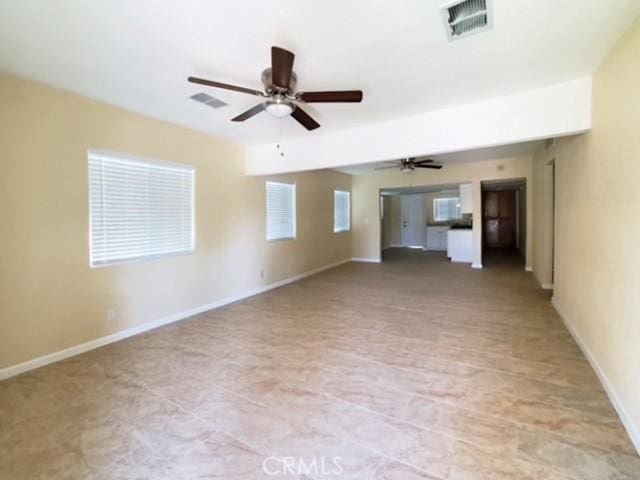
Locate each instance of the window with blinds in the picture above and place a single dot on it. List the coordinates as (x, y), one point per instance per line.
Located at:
(138, 208)
(341, 211)
(446, 209)
(281, 211)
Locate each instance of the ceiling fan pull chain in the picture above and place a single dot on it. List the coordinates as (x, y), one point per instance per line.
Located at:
(278, 146)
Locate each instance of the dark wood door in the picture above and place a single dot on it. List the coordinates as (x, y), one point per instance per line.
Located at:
(499, 219)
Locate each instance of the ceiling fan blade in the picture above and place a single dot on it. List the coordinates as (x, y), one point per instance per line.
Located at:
(303, 118)
(420, 162)
(249, 113)
(211, 83)
(385, 168)
(331, 96)
(434, 166)
(281, 67)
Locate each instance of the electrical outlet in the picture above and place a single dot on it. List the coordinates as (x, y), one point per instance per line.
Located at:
(111, 314)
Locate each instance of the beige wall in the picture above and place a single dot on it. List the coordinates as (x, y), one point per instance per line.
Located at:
(365, 190)
(597, 240)
(542, 251)
(49, 297)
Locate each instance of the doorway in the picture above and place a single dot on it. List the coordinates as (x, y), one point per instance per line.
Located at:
(504, 221)
(499, 219)
(417, 222)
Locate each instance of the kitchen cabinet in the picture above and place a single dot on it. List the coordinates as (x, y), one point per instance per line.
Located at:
(437, 238)
(466, 198)
(460, 245)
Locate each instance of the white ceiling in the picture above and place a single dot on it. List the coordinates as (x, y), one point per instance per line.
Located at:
(493, 153)
(137, 55)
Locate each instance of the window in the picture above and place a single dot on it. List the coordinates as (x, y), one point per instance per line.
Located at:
(446, 209)
(281, 211)
(138, 209)
(341, 211)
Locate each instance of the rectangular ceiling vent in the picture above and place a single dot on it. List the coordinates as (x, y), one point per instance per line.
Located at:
(466, 17)
(208, 100)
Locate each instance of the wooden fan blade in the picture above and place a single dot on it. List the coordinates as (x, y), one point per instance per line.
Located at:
(420, 162)
(211, 83)
(435, 166)
(332, 96)
(281, 67)
(249, 113)
(304, 119)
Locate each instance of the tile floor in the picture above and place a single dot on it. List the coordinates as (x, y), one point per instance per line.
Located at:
(413, 369)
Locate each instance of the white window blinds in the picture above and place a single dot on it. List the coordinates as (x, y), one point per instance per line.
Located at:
(445, 209)
(138, 208)
(281, 211)
(341, 211)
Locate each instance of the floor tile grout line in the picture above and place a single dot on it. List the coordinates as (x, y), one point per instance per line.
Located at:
(561, 407)
(525, 426)
(395, 459)
(477, 367)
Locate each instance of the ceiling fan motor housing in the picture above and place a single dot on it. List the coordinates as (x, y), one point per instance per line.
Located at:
(269, 87)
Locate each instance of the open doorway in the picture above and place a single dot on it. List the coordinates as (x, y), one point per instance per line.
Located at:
(504, 222)
(423, 222)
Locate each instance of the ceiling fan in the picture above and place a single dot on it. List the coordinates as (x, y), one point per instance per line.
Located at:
(410, 164)
(279, 91)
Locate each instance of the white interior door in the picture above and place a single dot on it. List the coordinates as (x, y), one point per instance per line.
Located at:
(413, 220)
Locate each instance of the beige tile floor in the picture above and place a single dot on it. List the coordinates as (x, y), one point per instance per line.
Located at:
(413, 369)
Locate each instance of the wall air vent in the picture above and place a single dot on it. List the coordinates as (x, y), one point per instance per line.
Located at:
(207, 100)
(466, 17)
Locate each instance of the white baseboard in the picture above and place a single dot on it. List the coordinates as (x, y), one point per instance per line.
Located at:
(396, 246)
(547, 286)
(632, 430)
(367, 260)
(476, 265)
(528, 268)
(129, 332)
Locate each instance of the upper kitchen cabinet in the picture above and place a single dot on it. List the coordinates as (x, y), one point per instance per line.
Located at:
(466, 198)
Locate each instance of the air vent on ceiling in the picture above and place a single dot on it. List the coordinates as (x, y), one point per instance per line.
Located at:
(208, 100)
(462, 18)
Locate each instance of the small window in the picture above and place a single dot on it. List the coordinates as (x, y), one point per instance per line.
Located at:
(138, 208)
(341, 211)
(446, 209)
(281, 211)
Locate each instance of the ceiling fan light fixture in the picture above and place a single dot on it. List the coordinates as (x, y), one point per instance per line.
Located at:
(406, 169)
(279, 107)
